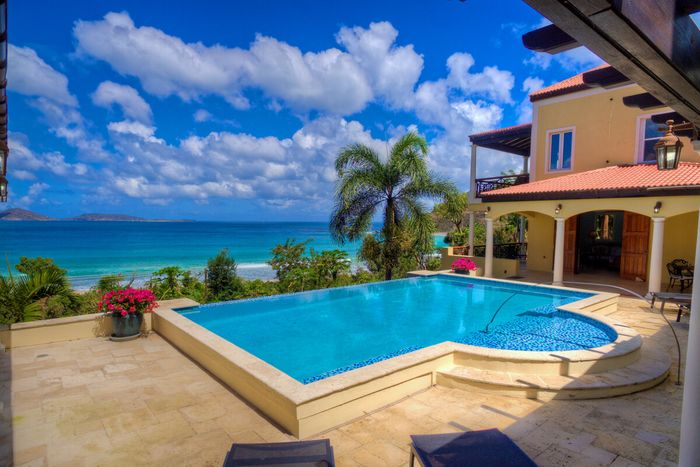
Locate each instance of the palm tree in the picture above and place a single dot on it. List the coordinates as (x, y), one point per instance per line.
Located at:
(396, 185)
(22, 297)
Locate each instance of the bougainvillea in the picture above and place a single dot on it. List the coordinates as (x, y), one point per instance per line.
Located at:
(463, 264)
(127, 302)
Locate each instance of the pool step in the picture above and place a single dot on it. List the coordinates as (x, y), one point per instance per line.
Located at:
(651, 369)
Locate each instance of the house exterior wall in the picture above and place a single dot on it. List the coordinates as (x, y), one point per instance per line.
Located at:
(540, 242)
(678, 240)
(605, 130)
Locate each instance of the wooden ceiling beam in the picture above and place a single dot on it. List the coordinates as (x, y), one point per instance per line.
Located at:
(657, 49)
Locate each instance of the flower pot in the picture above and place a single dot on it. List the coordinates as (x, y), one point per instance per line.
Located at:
(126, 327)
(460, 271)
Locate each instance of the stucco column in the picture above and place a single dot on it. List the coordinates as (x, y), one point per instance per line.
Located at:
(488, 256)
(471, 233)
(558, 276)
(657, 254)
(472, 175)
(690, 415)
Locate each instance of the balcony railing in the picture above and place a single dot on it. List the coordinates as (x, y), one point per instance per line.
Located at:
(493, 183)
(500, 250)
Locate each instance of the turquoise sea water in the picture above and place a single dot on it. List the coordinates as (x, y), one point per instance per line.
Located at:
(91, 249)
(313, 335)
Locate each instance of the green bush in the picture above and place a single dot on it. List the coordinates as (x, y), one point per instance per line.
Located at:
(222, 281)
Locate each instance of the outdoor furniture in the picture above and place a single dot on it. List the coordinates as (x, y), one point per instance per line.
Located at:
(471, 448)
(316, 453)
(680, 299)
(679, 271)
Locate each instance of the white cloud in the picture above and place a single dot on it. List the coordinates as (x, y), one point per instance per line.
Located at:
(492, 82)
(33, 192)
(574, 60)
(530, 85)
(32, 76)
(26, 164)
(47, 90)
(109, 93)
(135, 128)
(392, 70)
(331, 80)
(202, 115)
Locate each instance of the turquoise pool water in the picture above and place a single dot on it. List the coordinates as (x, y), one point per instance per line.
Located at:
(313, 335)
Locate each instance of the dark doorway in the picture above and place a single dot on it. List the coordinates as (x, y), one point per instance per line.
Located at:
(599, 241)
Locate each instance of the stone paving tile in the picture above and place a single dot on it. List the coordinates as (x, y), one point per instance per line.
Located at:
(96, 402)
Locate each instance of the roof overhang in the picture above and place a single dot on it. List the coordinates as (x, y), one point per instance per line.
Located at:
(593, 194)
(655, 44)
(513, 140)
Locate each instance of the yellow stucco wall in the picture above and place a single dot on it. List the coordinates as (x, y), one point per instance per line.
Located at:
(540, 242)
(605, 130)
(679, 240)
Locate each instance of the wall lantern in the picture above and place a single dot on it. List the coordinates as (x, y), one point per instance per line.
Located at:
(668, 149)
(3, 189)
(657, 207)
(557, 210)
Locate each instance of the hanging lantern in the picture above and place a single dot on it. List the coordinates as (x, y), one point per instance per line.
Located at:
(668, 149)
(3, 189)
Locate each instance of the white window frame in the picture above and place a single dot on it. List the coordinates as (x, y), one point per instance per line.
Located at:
(548, 152)
(641, 131)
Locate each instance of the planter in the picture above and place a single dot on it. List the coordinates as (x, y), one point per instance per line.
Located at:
(460, 271)
(127, 327)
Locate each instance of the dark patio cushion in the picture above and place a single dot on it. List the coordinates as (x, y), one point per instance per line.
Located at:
(472, 448)
(316, 453)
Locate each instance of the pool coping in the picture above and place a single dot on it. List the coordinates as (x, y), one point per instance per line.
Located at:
(277, 392)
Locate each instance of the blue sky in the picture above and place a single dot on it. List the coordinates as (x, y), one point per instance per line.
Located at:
(236, 110)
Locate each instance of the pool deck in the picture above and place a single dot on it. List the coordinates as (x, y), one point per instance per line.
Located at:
(92, 401)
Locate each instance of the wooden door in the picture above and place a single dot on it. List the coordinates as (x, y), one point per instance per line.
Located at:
(570, 227)
(635, 246)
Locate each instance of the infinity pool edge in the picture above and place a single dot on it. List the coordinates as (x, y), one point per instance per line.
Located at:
(307, 409)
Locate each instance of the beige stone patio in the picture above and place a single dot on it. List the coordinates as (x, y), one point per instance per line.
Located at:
(95, 402)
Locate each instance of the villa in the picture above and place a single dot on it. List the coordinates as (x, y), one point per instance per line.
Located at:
(554, 345)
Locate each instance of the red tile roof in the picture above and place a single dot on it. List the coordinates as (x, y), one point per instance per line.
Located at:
(608, 182)
(569, 85)
(505, 130)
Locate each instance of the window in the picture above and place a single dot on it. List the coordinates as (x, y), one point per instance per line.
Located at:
(649, 136)
(561, 148)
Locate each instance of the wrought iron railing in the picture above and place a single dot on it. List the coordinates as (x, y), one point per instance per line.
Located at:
(501, 250)
(493, 183)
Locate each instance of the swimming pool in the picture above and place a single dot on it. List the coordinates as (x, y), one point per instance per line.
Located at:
(318, 334)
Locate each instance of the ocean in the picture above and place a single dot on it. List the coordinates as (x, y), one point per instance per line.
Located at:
(89, 250)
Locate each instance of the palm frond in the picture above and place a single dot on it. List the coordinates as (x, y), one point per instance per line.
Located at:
(408, 157)
(357, 156)
(352, 217)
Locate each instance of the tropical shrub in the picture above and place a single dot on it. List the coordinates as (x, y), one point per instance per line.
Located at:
(41, 291)
(222, 281)
(124, 302)
(463, 264)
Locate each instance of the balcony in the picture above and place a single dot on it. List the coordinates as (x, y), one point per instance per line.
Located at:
(493, 183)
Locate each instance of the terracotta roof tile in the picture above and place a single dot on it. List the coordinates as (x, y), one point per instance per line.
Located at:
(618, 178)
(575, 83)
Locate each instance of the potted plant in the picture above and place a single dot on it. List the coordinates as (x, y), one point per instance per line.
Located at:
(126, 307)
(464, 266)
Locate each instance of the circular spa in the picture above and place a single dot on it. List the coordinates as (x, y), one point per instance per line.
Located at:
(314, 335)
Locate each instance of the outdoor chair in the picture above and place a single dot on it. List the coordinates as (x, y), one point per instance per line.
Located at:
(471, 448)
(316, 453)
(679, 271)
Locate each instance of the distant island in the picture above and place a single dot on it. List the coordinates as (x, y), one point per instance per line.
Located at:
(17, 214)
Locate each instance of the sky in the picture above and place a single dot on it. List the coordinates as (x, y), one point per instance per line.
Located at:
(236, 111)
